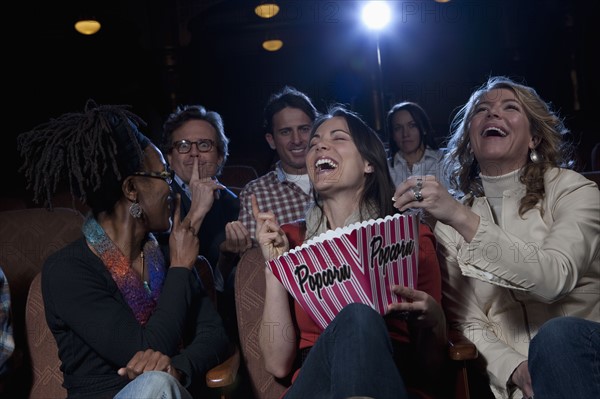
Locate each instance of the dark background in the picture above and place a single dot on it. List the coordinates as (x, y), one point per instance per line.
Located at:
(155, 55)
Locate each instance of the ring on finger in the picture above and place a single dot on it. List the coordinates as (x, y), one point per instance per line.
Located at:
(419, 184)
(418, 194)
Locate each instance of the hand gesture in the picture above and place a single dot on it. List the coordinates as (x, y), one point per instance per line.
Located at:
(183, 240)
(237, 238)
(203, 192)
(270, 237)
(420, 308)
(148, 360)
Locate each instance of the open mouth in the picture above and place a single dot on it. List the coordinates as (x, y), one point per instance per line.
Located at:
(493, 132)
(325, 164)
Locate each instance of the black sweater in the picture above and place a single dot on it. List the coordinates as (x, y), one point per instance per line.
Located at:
(97, 333)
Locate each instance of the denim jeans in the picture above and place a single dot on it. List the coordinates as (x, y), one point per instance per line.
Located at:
(154, 385)
(564, 359)
(352, 357)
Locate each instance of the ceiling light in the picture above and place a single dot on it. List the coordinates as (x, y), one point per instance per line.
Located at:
(272, 44)
(267, 9)
(376, 14)
(87, 26)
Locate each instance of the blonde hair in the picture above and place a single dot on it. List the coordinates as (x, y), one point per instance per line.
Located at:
(546, 127)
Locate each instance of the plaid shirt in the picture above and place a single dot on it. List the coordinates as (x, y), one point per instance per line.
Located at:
(7, 342)
(273, 193)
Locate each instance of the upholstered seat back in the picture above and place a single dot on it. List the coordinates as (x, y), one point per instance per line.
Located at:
(47, 377)
(250, 298)
(27, 237)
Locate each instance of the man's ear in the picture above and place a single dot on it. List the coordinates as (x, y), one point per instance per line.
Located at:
(129, 188)
(270, 140)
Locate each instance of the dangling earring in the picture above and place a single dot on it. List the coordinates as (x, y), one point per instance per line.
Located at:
(135, 210)
(534, 156)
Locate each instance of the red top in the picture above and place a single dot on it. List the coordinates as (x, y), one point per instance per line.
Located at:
(428, 280)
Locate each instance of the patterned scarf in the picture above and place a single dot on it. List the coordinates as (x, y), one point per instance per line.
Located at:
(141, 301)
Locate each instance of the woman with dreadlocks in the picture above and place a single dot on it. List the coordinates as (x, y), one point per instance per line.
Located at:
(127, 323)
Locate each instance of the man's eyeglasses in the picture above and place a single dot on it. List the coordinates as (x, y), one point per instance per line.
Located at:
(185, 146)
(166, 175)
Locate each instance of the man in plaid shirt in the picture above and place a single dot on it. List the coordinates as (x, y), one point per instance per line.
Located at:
(288, 118)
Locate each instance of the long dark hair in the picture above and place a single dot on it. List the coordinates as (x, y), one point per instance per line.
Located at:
(421, 119)
(379, 186)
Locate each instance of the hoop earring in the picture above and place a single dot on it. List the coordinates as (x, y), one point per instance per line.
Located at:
(135, 210)
(534, 156)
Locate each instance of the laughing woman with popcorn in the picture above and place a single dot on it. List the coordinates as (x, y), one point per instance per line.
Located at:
(360, 353)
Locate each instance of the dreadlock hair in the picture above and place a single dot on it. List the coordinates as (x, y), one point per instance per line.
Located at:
(93, 151)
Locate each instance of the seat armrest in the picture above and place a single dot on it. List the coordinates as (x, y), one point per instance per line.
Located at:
(224, 374)
(460, 347)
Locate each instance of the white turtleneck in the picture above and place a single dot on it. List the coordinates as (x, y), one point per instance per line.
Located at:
(495, 186)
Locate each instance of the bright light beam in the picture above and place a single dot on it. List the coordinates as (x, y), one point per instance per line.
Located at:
(376, 15)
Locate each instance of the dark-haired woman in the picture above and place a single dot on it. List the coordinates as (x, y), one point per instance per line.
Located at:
(360, 353)
(127, 321)
(413, 151)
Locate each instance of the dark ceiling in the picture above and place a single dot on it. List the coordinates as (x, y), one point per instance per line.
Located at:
(155, 55)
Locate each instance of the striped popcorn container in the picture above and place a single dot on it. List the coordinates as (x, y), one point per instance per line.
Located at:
(357, 263)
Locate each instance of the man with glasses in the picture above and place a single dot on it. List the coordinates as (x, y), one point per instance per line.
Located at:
(194, 134)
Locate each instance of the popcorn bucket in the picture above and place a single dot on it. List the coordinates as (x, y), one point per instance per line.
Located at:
(357, 263)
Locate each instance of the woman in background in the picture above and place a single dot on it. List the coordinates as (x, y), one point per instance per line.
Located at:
(413, 151)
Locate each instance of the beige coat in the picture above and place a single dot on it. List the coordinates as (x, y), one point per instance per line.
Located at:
(517, 274)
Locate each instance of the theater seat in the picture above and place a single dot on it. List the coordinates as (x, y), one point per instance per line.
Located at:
(27, 237)
(47, 377)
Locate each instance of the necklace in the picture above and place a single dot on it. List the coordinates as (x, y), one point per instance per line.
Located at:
(146, 286)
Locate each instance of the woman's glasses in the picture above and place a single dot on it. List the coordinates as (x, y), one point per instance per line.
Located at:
(185, 146)
(166, 175)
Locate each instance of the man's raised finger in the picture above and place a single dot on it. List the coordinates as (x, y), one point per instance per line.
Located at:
(195, 173)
